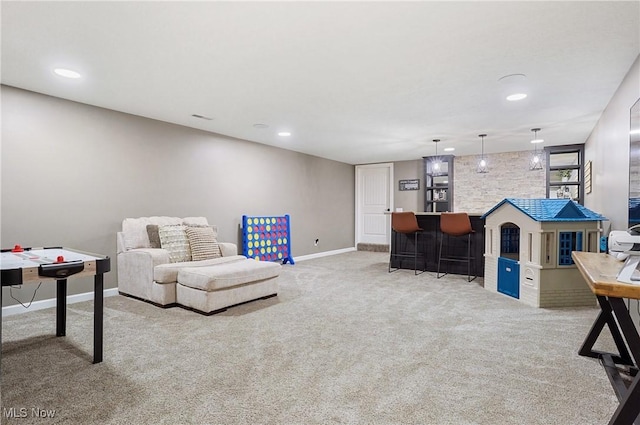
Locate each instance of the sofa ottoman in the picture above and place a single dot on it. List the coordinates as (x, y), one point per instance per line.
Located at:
(210, 290)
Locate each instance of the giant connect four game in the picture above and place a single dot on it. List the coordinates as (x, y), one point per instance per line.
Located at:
(267, 238)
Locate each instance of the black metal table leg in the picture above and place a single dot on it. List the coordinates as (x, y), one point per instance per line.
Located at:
(606, 317)
(0, 334)
(629, 408)
(98, 324)
(615, 315)
(627, 327)
(61, 307)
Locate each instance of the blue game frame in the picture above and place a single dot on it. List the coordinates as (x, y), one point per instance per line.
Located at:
(267, 238)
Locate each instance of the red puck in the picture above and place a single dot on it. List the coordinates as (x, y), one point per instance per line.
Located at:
(17, 248)
(60, 259)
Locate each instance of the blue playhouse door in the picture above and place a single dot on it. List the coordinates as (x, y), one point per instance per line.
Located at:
(509, 277)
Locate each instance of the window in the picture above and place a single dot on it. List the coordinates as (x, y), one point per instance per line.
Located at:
(565, 172)
(567, 243)
(510, 241)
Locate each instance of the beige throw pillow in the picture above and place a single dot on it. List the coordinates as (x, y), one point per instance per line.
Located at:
(204, 243)
(174, 239)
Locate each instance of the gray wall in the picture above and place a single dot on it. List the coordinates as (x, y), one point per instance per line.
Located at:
(608, 149)
(72, 172)
(408, 200)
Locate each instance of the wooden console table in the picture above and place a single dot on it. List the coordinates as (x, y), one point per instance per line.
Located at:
(599, 271)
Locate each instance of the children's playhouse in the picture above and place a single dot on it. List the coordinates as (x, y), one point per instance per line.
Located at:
(528, 245)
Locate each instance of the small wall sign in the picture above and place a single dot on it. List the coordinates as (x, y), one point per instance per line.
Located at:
(410, 184)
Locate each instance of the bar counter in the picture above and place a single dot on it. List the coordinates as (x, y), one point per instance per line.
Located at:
(429, 243)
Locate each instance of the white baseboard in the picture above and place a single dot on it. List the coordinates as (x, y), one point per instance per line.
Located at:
(323, 254)
(51, 302)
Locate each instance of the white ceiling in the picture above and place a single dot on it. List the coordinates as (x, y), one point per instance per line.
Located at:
(357, 82)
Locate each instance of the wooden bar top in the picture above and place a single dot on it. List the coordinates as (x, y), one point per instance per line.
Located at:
(600, 271)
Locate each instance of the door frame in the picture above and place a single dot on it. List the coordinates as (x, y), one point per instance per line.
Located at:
(358, 218)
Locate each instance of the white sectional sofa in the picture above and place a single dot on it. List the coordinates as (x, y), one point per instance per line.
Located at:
(170, 261)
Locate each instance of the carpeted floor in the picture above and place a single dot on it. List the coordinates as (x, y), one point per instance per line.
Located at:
(345, 342)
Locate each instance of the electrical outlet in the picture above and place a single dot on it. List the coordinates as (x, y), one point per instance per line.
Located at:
(316, 242)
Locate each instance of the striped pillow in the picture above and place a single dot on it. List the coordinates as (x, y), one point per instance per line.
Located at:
(174, 239)
(203, 241)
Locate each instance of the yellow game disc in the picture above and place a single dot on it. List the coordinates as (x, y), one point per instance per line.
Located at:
(250, 244)
(249, 229)
(250, 252)
(268, 227)
(268, 242)
(250, 236)
(261, 243)
(279, 241)
(262, 221)
(249, 221)
(279, 255)
(261, 250)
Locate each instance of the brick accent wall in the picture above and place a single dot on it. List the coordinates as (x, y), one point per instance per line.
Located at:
(508, 177)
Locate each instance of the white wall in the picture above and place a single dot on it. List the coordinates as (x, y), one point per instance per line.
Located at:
(72, 172)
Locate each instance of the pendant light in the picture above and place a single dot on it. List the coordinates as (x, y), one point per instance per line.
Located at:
(436, 164)
(482, 162)
(536, 160)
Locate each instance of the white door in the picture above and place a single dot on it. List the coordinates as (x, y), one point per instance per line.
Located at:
(374, 201)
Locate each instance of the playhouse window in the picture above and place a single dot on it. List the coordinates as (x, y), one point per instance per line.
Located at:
(510, 240)
(567, 243)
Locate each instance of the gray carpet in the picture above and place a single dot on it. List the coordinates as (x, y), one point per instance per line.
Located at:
(345, 342)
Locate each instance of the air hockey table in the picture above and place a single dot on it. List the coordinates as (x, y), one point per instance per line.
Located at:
(20, 266)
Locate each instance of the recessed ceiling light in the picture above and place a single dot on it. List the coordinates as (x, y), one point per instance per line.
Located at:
(513, 87)
(67, 73)
(449, 149)
(284, 134)
(516, 96)
(260, 126)
(202, 117)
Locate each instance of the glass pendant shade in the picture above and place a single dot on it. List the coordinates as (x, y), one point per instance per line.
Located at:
(482, 162)
(535, 162)
(536, 159)
(436, 164)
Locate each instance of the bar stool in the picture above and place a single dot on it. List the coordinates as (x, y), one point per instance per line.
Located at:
(456, 225)
(405, 223)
